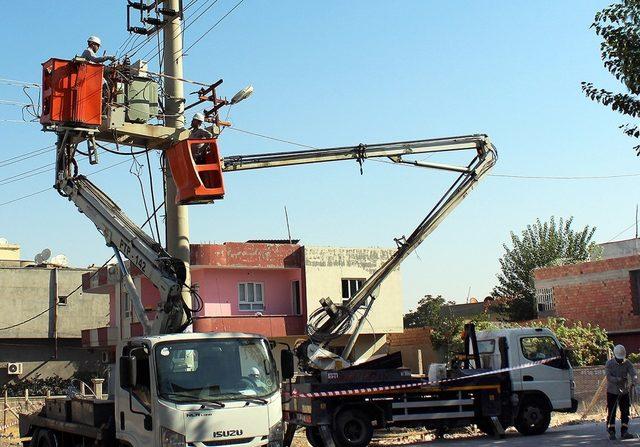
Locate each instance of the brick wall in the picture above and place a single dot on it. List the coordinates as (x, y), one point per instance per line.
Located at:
(408, 343)
(597, 292)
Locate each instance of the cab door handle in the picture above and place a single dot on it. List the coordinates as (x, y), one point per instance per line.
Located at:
(527, 378)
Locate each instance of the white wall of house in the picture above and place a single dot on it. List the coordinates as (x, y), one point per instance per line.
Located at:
(326, 267)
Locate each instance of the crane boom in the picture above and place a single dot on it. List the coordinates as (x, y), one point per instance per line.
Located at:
(126, 238)
(332, 320)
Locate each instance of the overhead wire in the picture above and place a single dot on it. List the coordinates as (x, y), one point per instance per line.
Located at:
(188, 22)
(212, 27)
(26, 155)
(18, 83)
(136, 171)
(94, 273)
(49, 189)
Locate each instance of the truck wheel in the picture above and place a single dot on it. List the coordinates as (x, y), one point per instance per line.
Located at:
(45, 438)
(353, 428)
(534, 417)
(486, 427)
(313, 436)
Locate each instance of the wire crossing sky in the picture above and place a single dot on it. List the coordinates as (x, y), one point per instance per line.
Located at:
(343, 73)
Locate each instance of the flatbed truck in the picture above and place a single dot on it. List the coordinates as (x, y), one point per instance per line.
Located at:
(509, 377)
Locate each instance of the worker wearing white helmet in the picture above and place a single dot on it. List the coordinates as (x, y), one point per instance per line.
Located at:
(621, 376)
(256, 378)
(90, 54)
(199, 151)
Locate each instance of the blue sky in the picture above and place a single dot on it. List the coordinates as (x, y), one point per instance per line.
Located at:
(339, 73)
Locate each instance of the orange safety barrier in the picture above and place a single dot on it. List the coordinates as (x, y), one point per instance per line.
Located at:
(71, 93)
(196, 182)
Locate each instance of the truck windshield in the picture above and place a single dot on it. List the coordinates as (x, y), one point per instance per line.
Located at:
(215, 369)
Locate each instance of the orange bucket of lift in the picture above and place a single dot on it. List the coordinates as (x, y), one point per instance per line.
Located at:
(196, 182)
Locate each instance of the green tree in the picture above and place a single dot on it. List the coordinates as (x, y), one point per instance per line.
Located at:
(539, 245)
(618, 25)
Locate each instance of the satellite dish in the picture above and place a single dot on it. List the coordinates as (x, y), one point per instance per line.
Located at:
(42, 257)
(59, 261)
(3, 241)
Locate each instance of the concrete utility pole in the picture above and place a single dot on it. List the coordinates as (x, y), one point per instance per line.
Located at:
(177, 218)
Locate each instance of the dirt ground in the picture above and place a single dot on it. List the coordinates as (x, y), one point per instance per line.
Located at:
(382, 438)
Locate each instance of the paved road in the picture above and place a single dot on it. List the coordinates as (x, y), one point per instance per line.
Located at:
(589, 434)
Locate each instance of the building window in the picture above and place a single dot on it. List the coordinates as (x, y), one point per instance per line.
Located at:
(544, 298)
(62, 300)
(127, 305)
(350, 287)
(250, 296)
(634, 278)
(295, 298)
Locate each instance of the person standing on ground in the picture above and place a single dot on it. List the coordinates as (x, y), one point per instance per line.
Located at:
(621, 376)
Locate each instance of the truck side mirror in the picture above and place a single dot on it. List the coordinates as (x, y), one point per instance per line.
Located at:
(128, 372)
(286, 364)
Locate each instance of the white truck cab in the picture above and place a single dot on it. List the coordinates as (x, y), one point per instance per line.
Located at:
(197, 390)
(536, 390)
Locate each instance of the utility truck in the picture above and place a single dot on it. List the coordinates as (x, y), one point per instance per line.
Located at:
(510, 377)
(171, 387)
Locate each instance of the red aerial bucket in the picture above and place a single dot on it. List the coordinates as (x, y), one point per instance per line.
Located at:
(196, 183)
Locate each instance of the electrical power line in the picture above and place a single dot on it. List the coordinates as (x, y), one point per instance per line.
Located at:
(26, 155)
(18, 83)
(562, 177)
(214, 25)
(94, 273)
(49, 189)
(9, 102)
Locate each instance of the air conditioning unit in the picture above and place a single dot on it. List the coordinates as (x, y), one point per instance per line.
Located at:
(14, 369)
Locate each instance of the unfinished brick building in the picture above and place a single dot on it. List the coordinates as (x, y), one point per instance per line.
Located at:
(605, 292)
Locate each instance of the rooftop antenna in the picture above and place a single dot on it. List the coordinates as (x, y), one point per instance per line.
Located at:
(286, 217)
(636, 221)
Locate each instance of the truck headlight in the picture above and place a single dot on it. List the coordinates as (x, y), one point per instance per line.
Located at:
(169, 438)
(276, 435)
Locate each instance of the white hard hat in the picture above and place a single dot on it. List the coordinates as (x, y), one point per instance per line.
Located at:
(198, 116)
(255, 372)
(94, 39)
(619, 352)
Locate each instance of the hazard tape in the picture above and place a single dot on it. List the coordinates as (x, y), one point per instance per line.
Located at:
(422, 383)
(4, 427)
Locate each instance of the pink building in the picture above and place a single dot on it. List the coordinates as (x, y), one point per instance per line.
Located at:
(258, 287)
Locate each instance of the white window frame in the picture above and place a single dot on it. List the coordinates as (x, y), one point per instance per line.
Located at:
(544, 300)
(254, 306)
(351, 292)
(127, 305)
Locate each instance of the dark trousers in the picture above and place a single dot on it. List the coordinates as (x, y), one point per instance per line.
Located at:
(613, 400)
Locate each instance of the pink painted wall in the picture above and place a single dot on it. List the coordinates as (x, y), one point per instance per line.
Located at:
(219, 289)
(112, 306)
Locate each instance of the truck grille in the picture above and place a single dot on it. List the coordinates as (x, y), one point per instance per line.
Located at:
(235, 441)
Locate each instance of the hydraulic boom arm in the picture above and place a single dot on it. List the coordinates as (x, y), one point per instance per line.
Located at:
(332, 320)
(126, 238)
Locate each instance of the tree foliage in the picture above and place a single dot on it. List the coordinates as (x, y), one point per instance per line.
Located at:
(542, 244)
(432, 312)
(618, 26)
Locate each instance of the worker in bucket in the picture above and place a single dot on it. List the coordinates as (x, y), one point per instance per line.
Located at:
(196, 131)
(621, 376)
(90, 54)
